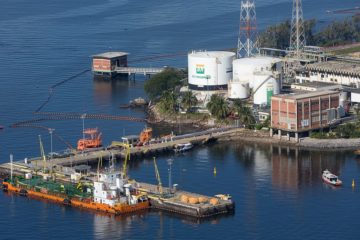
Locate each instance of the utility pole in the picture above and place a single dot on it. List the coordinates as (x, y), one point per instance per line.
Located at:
(83, 116)
(170, 162)
(11, 167)
(51, 130)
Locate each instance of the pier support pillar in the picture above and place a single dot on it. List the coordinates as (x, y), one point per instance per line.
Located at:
(288, 136)
(271, 132)
(279, 133)
(297, 137)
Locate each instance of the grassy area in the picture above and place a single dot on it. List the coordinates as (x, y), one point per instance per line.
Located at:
(347, 51)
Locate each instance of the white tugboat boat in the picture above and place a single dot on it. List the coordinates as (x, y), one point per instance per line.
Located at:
(330, 178)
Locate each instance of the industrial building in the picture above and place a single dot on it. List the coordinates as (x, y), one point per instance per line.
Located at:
(337, 72)
(295, 114)
(104, 64)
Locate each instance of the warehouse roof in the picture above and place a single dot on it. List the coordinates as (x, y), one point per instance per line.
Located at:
(110, 55)
(337, 67)
(305, 95)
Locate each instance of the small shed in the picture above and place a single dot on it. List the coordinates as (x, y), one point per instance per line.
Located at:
(106, 63)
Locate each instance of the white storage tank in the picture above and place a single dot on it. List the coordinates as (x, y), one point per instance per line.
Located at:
(244, 68)
(209, 71)
(238, 90)
(265, 86)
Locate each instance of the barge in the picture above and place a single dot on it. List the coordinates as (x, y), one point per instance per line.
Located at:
(110, 193)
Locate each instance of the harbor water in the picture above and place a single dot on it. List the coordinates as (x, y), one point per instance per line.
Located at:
(278, 192)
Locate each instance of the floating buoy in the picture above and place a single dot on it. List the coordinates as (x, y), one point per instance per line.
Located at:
(353, 183)
(214, 170)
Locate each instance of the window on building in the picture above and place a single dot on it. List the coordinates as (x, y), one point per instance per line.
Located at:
(315, 119)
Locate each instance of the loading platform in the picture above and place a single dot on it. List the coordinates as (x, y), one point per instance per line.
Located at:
(149, 150)
(170, 200)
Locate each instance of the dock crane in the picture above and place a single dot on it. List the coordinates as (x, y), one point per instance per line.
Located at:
(158, 177)
(42, 152)
(127, 158)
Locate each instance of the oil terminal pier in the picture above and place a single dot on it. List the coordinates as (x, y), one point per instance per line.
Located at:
(170, 200)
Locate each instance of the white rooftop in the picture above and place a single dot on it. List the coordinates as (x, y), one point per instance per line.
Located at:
(110, 54)
(212, 54)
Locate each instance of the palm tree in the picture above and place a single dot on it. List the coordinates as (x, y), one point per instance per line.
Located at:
(245, 113)
(247, 117)
(168, 101)
(218, 106)
(189, 100)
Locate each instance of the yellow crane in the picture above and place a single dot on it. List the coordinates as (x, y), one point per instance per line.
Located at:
(127, 158)
(98, 167)
(158, 177)
(42, 152)
(127, 154)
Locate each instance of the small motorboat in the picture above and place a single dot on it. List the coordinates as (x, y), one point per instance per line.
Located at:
(330, 178)
(182, 147)
(1, 127)
(357, 152)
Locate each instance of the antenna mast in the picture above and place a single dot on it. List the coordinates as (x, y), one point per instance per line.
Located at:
(297, 35)
(247, 41)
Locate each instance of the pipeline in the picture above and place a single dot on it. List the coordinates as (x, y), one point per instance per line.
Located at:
(73, 115)
(51, 116)
(52, 88)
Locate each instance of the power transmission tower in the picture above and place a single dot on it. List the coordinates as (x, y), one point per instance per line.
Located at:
(247, 41)
(297, 35)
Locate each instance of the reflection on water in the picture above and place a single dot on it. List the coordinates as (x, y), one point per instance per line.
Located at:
(292, 168)
(288, 167)
(105, 90)
(108, 226)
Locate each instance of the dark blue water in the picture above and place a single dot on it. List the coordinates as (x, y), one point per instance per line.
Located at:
(279, 193)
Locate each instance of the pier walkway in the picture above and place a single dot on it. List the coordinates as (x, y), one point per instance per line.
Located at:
(138, 151)
(138, 70)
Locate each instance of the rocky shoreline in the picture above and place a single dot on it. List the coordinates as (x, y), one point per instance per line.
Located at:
(306, 143)
(258, 136)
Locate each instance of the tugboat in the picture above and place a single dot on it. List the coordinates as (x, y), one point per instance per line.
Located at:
(331, 179)
(93, 140)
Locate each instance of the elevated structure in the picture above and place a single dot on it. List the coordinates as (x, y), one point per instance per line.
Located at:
(297, 35)
(104, 64)
(247, 41)
(115, 64)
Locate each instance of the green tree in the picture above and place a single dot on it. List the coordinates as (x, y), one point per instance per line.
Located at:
(188, 100)
(277, 36)
(218, 106)
(245, 114)
(164, 81)
(168, 101)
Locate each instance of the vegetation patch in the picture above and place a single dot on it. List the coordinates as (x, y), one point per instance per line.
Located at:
(167, 80)
(335, 34)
